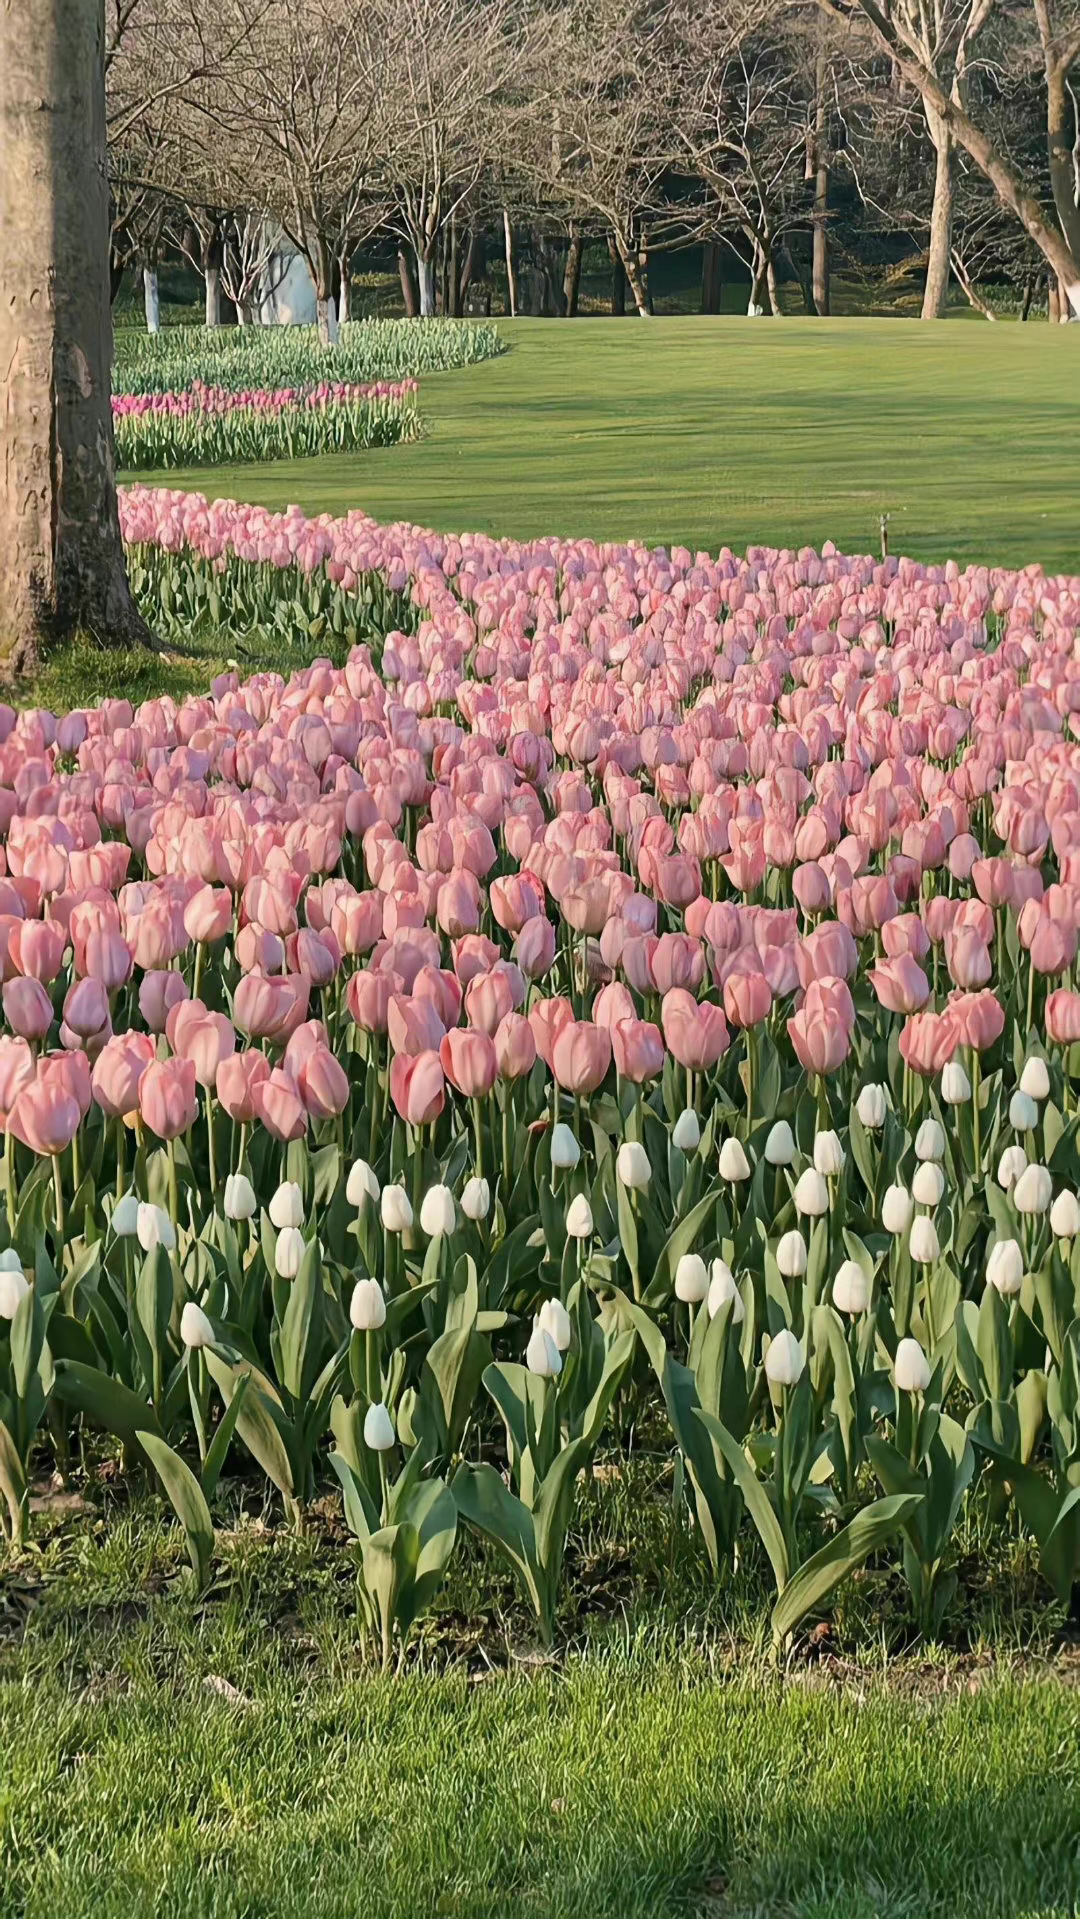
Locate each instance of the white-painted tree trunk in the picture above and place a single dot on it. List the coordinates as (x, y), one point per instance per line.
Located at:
(326, 321)
(425, 273)
(151, 302)
(213, 296)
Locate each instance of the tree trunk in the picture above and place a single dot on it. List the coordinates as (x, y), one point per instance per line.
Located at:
(61, 558)
(618, 278)
(151, 300)
(936, 290)
(326, 319)
(511, 277)
(408, 284)
(345, 291)
(452, 295)
(1060, 153)
(572, 274)
(116, 276)
(628, 254)
(712, 287)
(775, 308)
(820, 269)
(970, 291)
(425, 273)
(213, 295)
(1029, 295)
(473, 258)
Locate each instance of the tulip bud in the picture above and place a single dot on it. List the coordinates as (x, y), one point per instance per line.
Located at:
(734, 1165)
(784, 1360)
(154, 1228)
(1023, 1112)
(923, 1245)
(14, 1287)
(686, 1132)
(1012, 1163)
(632, 1165)
(928, 1183)
(780, 1144)
(871, 1107)
(378, 1429)
(1035, 1078)
(1033, 1190)
(397, 1214)
(361, 1184)
(911, 1370)
(367, 1307)
(125, 1216)
(828, 1155)
(930, 1140)
(196, 1330)
(287, 1206)
(722, 1288)
(811, 1194)
(476, 1198)
(896, 1210)
(565, 1151)
(240, 1201)
(691, 1279)
(1065, 1216)
(555, 1321)
(791, 1255)
(1005, 1266)
(437, 1212)
(851, 1288)
(288, 1252)
(542, 1356)
(955, 1084)
(579, 1220)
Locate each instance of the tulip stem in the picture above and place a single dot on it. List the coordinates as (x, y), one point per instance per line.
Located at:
(211, 1157)
(478, 1128)
(58, 1193)
(174, 1190)
(121, 1155)
(1030, 993)
(9, 1178)
(976, 1125)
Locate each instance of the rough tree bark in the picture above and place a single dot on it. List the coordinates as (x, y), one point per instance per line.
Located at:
(632, 262)
(618, 278)
(511, 277)
(151, 300)
(1058, 56)
(821, 192)
(936, 289)
(572, 273)
(62, 565)
(712, 284)
(408, 283)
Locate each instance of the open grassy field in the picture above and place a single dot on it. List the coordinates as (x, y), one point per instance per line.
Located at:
(723, 431)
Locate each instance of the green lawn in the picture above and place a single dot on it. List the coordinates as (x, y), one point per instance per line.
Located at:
(714, 431)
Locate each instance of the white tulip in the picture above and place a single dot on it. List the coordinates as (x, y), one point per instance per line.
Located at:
(13, 1290)
(851, 1288)
(287, 1206)
(1035, 1078)
(1033, 1190)
(1005, 1266)
(288, 1252)
(686, 1132)
(1010, 1166)
(239, 1201)
(476, 1198)
(1065, 1216)
(395, 1209)
(811, 1194)
(911, 1370)
(579, 1220)
(691, 1279)
(784, 1361)
(125, 1216)
(928, 1183)
(555, 1321)
(828, 1155)
(734, 1165)
(361, 1184)
(1023, 1112)
(722, 1288)
(154, 1228)
(378, 1429)
(871, 1107)
(438, 1214)
(196, 1330)
(955, 1084)
(565, 1151)
(896, 1210)
(780, 1145)
(632, 1165)
(367, 1307)
(10, 1261)
(930, 1140)
(924, 1245)
(791, 1255)
(542, 1356)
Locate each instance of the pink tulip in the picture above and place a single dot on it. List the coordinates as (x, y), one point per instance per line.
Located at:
(237, 1078)
(414, 1025)
(488, 999)
(547, 1017)
(168, 1101)
(208, 915)
(967, 958)
(158, 994)
(515, 1047)
(638, 1047)
(1063, 1017)
(580, 1056)
(696, 1034)
(469, 1061)
(16, 1071)
(928, 1041)
(900, 984)
(368, 997)
(86, 1008)
(277, 1103)
(36, 949)
(747, 997)
(27, 1008)
(45, 1117)
(418, 1087)
(118, 1071)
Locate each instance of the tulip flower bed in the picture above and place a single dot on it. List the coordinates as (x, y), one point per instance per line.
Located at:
(239, 358)
(634, 992)
(209, 426)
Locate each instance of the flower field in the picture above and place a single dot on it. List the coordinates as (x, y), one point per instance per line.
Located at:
(209, 426)
(633, 989)
(240, 358)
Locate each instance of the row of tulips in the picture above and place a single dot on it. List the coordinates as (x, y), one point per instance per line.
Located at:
(277, 356)
(629, 974)
(212, 426)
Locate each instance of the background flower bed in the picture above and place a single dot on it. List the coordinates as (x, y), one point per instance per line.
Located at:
(237, 358)
(204, 426)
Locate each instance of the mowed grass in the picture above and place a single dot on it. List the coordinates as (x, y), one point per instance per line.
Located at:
(712, 432)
